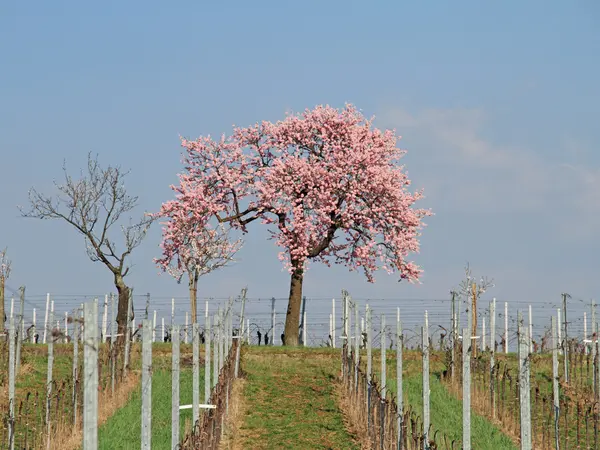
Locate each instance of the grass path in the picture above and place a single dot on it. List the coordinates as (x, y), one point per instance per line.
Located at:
(291, 401)
(123, 429)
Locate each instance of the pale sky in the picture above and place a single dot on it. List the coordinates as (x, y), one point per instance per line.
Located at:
(498, 105)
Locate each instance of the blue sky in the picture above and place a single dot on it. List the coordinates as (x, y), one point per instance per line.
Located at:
(498, 105)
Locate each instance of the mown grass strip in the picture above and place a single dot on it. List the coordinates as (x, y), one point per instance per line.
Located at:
(123, 429)
(291, 401)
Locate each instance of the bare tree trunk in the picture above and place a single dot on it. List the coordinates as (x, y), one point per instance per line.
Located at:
(123, 291)
(2, 313)
(292, 319)
(193, 285)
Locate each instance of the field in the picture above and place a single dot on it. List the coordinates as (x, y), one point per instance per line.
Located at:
(293, 398)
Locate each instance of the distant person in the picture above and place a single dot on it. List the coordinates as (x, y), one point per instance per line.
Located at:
(283, 339)
(266, 338)
(202, 337)
(259, 336)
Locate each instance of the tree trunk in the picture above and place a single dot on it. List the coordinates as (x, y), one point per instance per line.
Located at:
(123, 291)
(193, 285)
(2, 313)
(292, 319)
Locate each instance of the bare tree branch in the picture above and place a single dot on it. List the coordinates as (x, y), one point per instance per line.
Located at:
(92, 204)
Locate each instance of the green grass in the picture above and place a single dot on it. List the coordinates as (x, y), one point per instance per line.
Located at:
(290, 400)
(31, 384)
(445, 409)
(123, 429)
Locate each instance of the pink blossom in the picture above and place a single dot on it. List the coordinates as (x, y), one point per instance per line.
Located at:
(326, 182)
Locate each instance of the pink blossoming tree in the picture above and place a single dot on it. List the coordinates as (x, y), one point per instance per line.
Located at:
(326, 182)
(191, 246)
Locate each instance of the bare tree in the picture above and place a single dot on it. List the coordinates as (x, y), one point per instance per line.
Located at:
(470, 290)
(93, 205)
(5, 264)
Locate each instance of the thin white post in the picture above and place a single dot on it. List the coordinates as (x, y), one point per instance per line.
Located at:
(304, 330)
(369, 325)
(585, 333)
(356, 347)
(154, 327)
(559, 332)
(555, 382)
(466, 353)
(175, 387)
(333, 327)
(162, 339)
(492, 354)
(11, 383)
(369, 347)
(66, 327)
(399, 390)
(505, 327)
(524, 386)
(383, 374)
(187, 330)
(426, 404)
(216, 346)
(195, 373)
(240, 334)
(46, 318)
(20, 330)
(530, 330)
(346, 315)
(330, 330)
(104, 318)
(207, 349)
(90, 376)
(172, 313)
(146, 385)
(206, 310)
(75, 369)
(49, 376)
(483, 334)
(12, 308)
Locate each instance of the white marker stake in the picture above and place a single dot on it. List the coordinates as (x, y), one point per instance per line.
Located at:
(66, 327)
(46, 318)
(172, 311)
(154, 328)
(333, 326)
